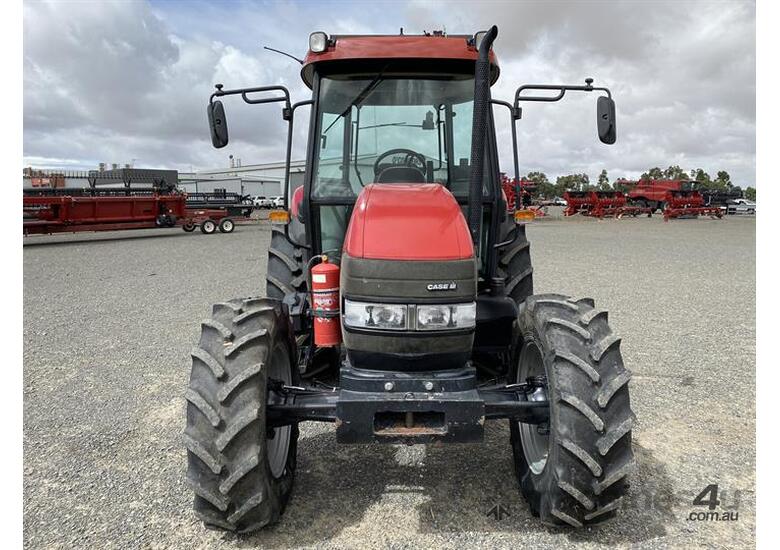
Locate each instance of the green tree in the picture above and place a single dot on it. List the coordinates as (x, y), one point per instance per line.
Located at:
(572, 182)
(544, 187)
(653, 174)
(622, 185)
(604, 181)
(701, 176)
(675, 173)
(750, 193)
(723, 179)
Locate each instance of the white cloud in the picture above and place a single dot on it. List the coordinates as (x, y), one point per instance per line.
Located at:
(116, 81)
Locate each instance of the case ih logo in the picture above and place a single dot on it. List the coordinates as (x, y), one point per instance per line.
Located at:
(442, 286)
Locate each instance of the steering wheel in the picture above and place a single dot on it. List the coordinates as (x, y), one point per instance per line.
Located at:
(409, 160)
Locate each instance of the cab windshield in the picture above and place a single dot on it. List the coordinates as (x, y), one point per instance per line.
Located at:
(392, 129)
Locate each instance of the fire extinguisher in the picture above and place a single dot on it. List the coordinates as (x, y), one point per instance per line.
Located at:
(325, 303)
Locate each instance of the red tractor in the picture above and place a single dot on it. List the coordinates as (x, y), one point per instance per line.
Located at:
(399, 302)
(649, 193)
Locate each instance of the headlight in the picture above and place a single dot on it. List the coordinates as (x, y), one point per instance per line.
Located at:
(381, 316)
(396, 316)
(318, 42)
(446, 316)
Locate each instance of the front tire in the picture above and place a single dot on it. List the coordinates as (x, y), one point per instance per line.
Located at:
(240, 471)
(514, 263)
(575, 473)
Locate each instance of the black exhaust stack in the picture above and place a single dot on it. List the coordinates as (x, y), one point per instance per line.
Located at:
(478, 133)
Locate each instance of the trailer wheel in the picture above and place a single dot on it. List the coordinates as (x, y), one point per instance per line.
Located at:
(208, 227)
(574, 470)
(240, 470)
(226, 225)
(188, 227)
(514, 263)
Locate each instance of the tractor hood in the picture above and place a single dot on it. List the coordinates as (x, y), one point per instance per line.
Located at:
(408, 222)
(407, 245)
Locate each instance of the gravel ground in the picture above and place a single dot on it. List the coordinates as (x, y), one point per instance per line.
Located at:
(109, 320)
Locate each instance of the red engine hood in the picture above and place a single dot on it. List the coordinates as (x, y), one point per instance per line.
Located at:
(408, 222)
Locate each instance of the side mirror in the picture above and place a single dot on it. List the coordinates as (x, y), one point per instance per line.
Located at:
(217, 124)
(605, 113)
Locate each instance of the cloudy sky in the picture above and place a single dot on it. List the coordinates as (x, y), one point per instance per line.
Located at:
(128, 81)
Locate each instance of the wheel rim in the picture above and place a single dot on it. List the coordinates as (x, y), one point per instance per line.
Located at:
(278, 446)
(209, 226)
(227, 225)
(536, 446)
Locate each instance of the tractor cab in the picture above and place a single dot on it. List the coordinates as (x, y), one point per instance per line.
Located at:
(399, 299)
(392, 128)
(400, 110)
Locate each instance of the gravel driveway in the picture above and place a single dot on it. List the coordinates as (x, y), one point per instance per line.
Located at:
(109, 320)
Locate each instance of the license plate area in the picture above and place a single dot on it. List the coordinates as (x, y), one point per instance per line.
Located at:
(362, 417)
(409, 423)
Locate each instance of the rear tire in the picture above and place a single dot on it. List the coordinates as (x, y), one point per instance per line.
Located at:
(188, 227)
(226, 225)
(208, 227)
(581, 477)
(286, 271)
(514, 263)
(241, 478)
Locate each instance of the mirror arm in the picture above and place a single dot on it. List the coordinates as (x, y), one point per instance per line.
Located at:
(244, 91)
(518, 98)
(514, 113)
(562, 89)
(288, 111)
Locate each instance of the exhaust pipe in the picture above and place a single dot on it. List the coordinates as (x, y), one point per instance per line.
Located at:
(478, 134)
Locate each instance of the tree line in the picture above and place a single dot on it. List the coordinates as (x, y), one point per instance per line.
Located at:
(581, 182)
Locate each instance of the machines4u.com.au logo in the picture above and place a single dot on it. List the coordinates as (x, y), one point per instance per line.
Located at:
(725, 508)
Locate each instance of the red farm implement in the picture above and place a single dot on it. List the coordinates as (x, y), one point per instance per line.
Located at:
(518, 196)
(689, 204)
(600, 204)
(58, 213)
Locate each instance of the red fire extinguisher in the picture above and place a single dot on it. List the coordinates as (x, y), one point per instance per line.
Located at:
(325, 303)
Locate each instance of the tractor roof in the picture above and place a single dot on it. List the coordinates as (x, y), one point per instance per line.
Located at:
(396, 47)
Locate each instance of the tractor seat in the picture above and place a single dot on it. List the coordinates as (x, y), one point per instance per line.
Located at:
(401, 174)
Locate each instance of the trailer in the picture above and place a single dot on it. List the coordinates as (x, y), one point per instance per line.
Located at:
(235, 204)
(59, 213)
